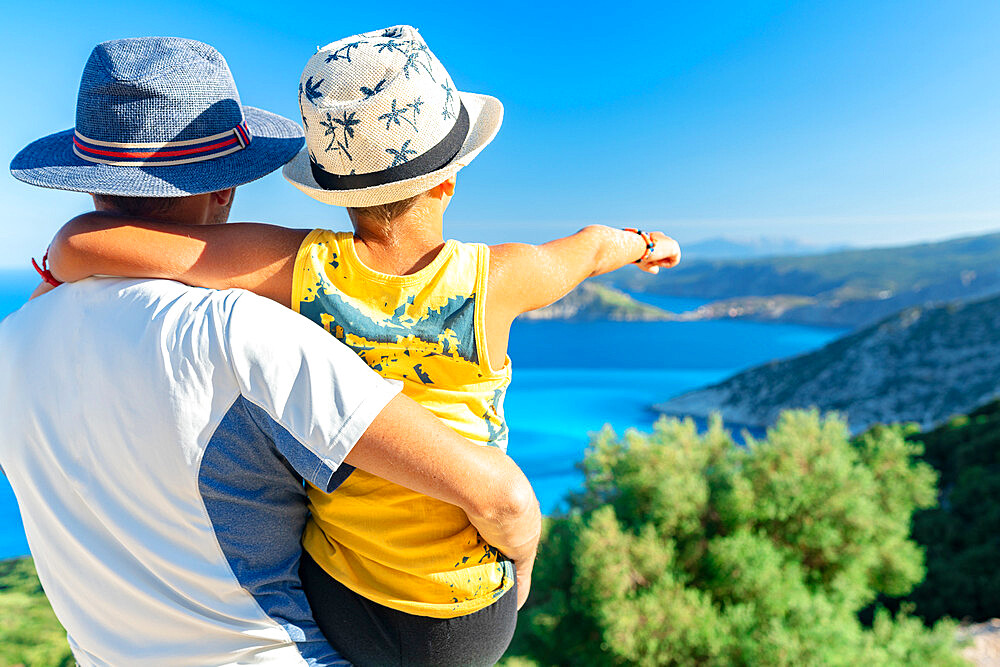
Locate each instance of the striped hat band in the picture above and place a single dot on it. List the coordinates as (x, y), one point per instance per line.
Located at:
(162, 153)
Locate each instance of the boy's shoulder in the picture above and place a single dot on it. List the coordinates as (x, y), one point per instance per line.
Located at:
(320, 235)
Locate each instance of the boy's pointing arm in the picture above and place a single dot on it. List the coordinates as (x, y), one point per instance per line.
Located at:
(524, 277)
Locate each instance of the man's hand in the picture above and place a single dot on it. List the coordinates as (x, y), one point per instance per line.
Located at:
(524, 579)
(407, 445)
(522, 522)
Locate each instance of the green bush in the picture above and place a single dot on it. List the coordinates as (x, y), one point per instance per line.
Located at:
(30, 635)
(962, 534)
(685, 549)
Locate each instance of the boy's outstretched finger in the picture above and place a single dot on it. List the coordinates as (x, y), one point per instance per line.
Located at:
(670, 262)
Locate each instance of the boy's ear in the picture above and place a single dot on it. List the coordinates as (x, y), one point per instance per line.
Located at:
(446, 188)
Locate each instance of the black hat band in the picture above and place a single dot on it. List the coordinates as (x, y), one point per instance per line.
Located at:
(433, 159)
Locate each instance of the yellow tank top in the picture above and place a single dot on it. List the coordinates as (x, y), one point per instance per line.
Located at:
(391, 545)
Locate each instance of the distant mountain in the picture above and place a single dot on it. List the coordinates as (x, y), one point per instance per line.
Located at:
(737, 248)
(594, 301)
(843, 288)
(923, 364)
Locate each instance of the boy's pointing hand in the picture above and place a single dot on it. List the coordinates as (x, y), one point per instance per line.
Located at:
(666, 253)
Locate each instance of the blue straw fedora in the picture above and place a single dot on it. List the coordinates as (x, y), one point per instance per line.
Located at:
(158, 117)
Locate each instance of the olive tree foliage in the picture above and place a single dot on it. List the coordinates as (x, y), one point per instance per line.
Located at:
(962, 535)
(686, 549)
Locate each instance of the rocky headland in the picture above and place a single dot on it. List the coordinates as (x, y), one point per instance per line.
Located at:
(923, 364)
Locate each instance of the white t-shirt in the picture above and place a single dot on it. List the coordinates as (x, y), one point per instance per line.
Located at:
(156, 437)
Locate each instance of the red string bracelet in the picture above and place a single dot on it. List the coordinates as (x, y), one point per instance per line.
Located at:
(43, 270)
(650, 244)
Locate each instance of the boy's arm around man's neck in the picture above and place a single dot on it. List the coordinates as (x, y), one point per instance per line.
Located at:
(253, 256)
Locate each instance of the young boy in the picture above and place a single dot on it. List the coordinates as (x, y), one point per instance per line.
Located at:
(392, 576)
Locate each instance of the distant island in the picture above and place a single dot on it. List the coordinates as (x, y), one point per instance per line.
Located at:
(923, 364)
(847, 288)
(597, 301)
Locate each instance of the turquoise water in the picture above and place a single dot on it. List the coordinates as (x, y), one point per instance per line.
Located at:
(15, 288)
(674, 304)
(569, 379)
(572, 378)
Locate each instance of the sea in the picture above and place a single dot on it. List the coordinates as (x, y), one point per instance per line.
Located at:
(569, 380)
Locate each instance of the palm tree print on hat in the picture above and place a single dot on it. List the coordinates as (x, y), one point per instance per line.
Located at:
(348, 122)
(413, 61)
(394, 115)
(400, 156)
(393, 32)
(421, 49)
(344, 52)
(370, 92)
(415, 105)
(312, 90)
(390, 46)
(448, 97)
(346, 125)
(330, 131)
(420, 46)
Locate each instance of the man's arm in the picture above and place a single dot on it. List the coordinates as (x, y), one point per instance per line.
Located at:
(253, 256)
(322, 406)
(525, 277)
(410, 447)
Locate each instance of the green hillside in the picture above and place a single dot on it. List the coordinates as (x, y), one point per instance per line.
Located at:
(923, 365)
(30, 635)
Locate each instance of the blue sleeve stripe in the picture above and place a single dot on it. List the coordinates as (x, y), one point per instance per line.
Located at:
(257, 507)
(313, 469)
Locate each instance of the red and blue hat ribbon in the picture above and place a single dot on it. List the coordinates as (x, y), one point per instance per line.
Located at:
(162, 153)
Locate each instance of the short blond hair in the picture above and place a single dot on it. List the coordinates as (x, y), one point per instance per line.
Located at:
(383, 214)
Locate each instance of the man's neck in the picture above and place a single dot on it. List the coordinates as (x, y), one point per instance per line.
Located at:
(192, 210)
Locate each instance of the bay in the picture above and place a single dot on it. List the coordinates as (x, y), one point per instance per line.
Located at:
(570, 379)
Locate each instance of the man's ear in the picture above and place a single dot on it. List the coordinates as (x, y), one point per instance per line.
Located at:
(223, 197)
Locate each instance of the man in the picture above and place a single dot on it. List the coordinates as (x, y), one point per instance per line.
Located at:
(156, 435)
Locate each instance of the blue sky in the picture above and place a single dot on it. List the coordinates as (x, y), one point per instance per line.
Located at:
(846, 122)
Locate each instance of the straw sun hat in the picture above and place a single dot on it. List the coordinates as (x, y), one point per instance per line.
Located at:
(384, 122)
(158, 117)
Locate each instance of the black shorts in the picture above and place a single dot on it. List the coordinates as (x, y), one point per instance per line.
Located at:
(366, 633)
